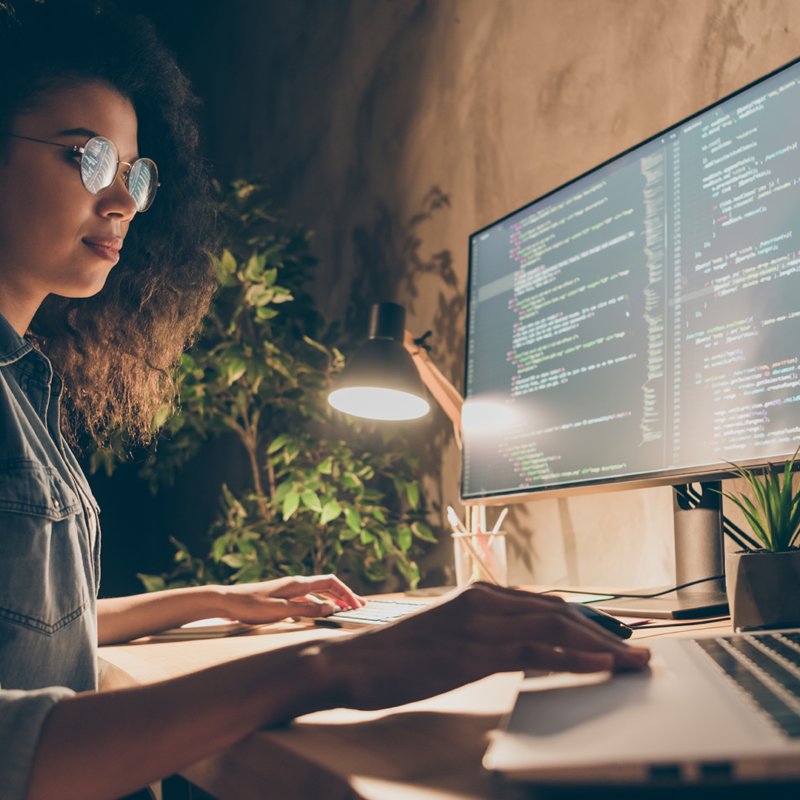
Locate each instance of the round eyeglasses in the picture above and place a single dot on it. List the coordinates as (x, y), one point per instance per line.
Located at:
(99, 166)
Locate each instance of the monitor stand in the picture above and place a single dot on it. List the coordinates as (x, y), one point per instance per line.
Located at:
(698, 554)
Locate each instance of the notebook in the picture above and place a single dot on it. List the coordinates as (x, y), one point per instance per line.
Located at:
(709, 709)
(213, 628)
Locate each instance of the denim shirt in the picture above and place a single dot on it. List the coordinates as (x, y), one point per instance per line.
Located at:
(49, 550)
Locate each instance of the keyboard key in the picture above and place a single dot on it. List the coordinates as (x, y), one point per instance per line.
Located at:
(792, 637)
(776, 644)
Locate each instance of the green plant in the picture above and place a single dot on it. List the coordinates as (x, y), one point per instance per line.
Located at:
(775, 514)
(262, 369)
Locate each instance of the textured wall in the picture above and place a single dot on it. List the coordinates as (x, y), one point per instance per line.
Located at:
(395, 128)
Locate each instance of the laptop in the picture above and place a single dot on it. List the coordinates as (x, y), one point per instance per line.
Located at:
(709, 709)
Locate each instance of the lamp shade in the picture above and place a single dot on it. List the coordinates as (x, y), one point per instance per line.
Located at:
(381, 381)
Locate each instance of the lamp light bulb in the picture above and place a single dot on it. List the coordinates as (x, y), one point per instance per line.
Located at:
(374, 403)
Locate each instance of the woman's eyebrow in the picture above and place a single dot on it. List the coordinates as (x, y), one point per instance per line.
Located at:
(78, 132)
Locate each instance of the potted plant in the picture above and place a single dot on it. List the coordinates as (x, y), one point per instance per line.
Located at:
(763, 579)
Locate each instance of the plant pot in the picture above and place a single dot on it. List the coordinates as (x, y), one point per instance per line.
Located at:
(763, 589)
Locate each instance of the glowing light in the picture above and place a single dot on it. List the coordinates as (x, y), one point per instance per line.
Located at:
(482, 417)
(373, 403)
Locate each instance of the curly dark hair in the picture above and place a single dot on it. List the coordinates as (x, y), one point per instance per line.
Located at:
(116, 351)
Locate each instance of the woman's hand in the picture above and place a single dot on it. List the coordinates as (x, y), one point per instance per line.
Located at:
(482, 630)
(121, 619)
(270, 601)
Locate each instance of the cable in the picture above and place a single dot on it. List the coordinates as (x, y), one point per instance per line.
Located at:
(680, 623)
(606, 595)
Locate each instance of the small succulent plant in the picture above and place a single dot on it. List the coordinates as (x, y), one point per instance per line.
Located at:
(775, 514)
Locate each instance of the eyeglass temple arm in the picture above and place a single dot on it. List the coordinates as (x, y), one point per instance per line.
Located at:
(42, 141)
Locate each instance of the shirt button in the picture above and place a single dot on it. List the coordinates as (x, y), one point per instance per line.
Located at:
(56, 504)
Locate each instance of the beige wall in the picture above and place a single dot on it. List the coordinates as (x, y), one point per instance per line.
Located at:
(395, 129)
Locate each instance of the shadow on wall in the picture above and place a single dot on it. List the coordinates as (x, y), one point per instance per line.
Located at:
(523, 534)
(389, 264)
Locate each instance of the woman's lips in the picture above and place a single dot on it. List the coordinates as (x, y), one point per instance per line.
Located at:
(105, 248)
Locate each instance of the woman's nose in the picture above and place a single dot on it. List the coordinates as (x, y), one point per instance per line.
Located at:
(117, 200)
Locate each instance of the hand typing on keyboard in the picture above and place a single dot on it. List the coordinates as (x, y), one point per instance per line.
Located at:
(270, 601)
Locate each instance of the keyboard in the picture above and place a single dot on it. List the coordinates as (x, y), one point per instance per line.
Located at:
(766, 668)
(375, 612)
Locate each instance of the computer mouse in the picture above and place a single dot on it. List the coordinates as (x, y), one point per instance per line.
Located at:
(605, 620)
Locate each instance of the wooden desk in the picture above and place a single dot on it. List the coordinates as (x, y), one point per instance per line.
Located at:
(429, 750)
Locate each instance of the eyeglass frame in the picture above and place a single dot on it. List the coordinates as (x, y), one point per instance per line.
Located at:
(81, 150)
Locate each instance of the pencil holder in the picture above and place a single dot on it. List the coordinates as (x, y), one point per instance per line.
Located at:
(481, 557)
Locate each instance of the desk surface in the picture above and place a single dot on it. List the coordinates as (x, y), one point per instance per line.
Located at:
(429, 750)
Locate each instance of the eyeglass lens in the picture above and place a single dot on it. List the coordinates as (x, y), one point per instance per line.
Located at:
(99, 165)
(143, 182)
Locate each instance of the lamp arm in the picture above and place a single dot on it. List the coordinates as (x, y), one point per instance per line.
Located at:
(445, 393)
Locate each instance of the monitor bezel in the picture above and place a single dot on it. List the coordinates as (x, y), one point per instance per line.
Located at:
(701, 473)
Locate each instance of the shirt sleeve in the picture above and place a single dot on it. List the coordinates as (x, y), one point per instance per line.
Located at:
(22, 715)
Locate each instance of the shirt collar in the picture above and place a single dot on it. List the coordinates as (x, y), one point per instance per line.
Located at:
(12, 346)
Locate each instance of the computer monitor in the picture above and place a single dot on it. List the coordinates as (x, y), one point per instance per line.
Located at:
(640, 325)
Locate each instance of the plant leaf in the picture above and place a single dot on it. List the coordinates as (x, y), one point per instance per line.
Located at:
(413, 495)
(421, 530)
(235, 370)
(353, 519)
(279, 442)
(152, 583)
(751, 516)
(310, 500)
(350, 480)
(234, 560)
(404, 538)
(290, 504)
(330, 511)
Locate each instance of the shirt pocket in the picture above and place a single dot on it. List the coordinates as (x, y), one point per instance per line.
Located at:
(43, 549)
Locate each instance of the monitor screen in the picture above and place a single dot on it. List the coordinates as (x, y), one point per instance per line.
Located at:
(641, 324)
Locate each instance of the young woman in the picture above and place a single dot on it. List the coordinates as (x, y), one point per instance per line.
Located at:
(104, 275)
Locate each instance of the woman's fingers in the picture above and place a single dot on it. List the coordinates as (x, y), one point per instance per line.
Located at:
(550, 628)
(505, 612)
(270, 601)
(551, 640)
(309, 607)
(533, 654)
(556, 659)
(328, 585)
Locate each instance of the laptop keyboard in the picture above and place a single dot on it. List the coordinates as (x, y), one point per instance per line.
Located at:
(377, 611)
(766, 667)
